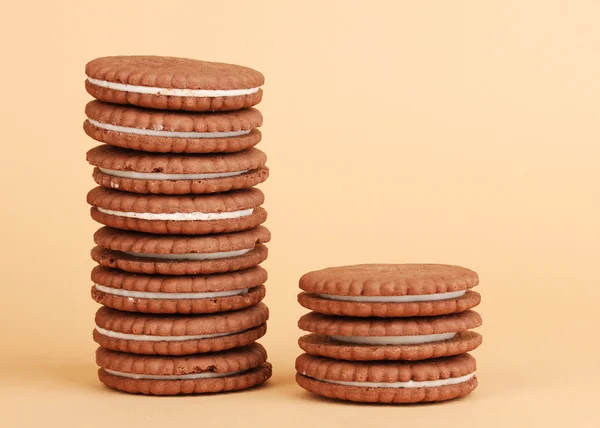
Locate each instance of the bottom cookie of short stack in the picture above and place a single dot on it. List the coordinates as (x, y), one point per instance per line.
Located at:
(388, 382)
(231, 370)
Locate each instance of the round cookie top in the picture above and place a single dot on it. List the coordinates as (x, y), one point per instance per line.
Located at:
(114, 200)
(234, 360)
(147, 243)
(385, 371)
(388, 280)
(118, 279)
(160, 122)
(368, 327)
(129, 323)
(173, 73)
(124, 160)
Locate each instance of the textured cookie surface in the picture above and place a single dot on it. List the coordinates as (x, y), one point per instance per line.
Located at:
(120, 240)
(324, 346)
(177, 334)
(190, 215)
(153, 254)
(388, 280)
(452, 377)
(176, 174)
(149, 265)
(178, 325)
(172, 132)
(172, 73)
(178, 294)
(202, 373)
(170, 121)
(386, 395)
(323, 305)
(379, 327)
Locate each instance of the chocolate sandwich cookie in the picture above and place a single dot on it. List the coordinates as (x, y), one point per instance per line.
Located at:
(190, 294)
(178, 254)
(182, 214)
(172, 132)
(170, 83)
(364, 339)
(174, 174)
(178, 334)
(388, 382)
(390, 290)
(231, 370)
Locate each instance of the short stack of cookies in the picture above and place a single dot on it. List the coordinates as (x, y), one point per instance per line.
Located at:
(386, 333)
(178, 276)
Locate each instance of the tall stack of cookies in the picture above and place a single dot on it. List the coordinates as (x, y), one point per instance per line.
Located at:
(178, 276)
(389, 333)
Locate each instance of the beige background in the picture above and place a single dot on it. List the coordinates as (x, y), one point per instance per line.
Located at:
(463, 132)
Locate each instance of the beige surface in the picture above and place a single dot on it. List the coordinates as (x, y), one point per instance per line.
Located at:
(462, 132)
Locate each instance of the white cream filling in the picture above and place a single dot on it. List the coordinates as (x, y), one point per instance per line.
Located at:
(160, 133)
(172, 377)
(179, 216)
(396, 299)
(395, 340)
(149, 338)
(409, 384)
(173, 92)
(161, 176)
(192, 256)
(175, 296)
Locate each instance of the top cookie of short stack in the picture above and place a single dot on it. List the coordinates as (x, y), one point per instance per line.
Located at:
(169, 83)
(390, 290)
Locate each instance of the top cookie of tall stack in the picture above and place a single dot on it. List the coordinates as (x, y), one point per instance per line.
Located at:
(169, 83)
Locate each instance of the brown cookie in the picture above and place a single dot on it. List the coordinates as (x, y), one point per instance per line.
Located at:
(390, 290)
(188, 215)
(325, 346)
(177, 334)
(394, 309)
(174, 174)
(180, 255)
(231, 370)
(172, 132)
(169, 83)
(389, 338)
(192, 294)
(388, 382)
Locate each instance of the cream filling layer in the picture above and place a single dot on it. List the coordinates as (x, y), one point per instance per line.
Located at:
(161, 176)
(179, 216)
(409, 384)
(150, 338)
(172, 377)
(193, 256)
(396, 299)
(169, 296)
(395, 340)
(160, 133)
(173, 92)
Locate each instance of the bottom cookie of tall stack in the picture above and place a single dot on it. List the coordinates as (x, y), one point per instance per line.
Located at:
(231, 370)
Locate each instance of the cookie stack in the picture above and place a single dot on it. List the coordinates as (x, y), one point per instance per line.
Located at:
(389, 333)
(178, 276)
